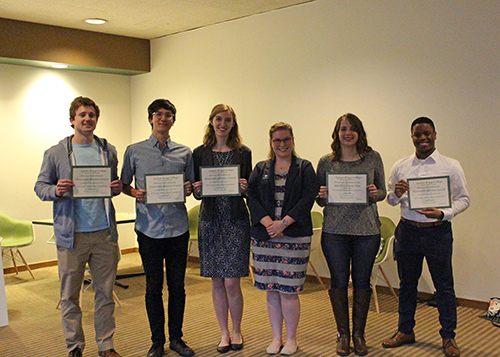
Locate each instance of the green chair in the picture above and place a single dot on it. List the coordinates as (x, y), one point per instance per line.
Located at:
(193, 218)
(317, 222)
(16, 234)
(387, 229)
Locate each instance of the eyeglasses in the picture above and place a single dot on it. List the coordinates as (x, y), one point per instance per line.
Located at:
(158, 115)
(279, 141)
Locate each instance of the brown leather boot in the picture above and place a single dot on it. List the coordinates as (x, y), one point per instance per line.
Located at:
(360, 308)
(340, 306)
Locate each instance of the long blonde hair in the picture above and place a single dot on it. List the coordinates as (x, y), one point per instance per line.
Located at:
(233, 139)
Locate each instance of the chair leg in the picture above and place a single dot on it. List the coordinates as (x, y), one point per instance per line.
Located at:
(25, 263)
(388, 283)
(317, 275)
(14, 261)
(115, 297)
(375, 296)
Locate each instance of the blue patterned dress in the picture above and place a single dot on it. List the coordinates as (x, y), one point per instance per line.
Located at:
(280, 264)
(224, 245)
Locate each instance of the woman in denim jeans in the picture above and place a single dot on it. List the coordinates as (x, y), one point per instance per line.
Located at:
(351, 232)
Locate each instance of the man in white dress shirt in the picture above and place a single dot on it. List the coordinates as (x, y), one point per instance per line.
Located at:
(426, 233)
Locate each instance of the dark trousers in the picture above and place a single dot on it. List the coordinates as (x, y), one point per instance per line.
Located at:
(343, 252)
(435, 244)
(154, 253)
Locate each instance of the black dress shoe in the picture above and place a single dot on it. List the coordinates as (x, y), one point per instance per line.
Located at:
(156, 351)
(224, 349)
(181, 348)
(237, 346)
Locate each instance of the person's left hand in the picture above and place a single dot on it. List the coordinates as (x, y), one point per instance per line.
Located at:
(243, 185)
(188, 188)
(275, 229)
(116, 187)
(372, 190)
(430, 212)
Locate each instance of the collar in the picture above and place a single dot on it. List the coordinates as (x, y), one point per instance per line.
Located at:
(155, 142)
(432, 158)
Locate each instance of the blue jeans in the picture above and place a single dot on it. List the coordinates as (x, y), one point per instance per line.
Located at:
(435, 244)
(172, 251)
(345, 251)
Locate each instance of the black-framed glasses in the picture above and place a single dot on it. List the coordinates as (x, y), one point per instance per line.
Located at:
(279, 141)
(158, 115)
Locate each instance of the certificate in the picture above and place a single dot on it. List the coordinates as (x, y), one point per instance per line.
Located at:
(220, 180)
(165, 188)
(429, 192)
(91, 181)
(347, 189)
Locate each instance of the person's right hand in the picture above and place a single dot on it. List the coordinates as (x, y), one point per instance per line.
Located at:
(63, 186)
(140, 195)
(323, 191)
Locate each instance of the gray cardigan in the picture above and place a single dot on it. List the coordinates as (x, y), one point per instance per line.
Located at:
(56, 165)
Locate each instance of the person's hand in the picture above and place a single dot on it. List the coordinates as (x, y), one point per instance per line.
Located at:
(323, 191)
(275, 229)
(63, 186)
(401, 187)
(116, 187)
(197, 188)
(243, 185)
(140, 195)
(188, 188)
(430, 212)
(372, 190)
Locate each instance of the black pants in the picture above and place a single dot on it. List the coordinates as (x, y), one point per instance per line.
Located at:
(154, 252)
(435, 244)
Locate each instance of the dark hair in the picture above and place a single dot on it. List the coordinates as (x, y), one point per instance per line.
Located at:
(78, 102)
(274, 128)
(422, 120)
(233, 139)
(158, 104)
(362, 147)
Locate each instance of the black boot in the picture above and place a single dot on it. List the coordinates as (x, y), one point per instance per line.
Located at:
(360, 308)
(340, 306)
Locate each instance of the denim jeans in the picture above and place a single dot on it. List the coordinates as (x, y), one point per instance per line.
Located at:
(343, 252)
(154, 252)
(435, 244)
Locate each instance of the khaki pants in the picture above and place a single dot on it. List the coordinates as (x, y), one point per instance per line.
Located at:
(102, 255)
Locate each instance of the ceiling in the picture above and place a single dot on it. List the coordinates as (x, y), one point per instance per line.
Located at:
(146, 19)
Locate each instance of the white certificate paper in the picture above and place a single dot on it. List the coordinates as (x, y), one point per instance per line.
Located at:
(165, 188)
(429, 192)
(220, 180)
(347, 189)
(91, 181)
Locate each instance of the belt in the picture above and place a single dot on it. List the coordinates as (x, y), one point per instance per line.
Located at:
(422, 224)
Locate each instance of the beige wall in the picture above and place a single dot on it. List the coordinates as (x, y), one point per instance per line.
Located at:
(388, 62)
(34, 115)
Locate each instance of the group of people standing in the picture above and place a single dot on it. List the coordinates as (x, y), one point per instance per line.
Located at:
(280, 193)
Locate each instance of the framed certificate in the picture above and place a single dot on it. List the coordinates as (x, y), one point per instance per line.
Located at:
(91, 181)
(347, 189)
(429, 192)
(220, 180)
(165, 188)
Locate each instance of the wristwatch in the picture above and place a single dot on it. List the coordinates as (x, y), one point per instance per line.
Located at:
(285, 222)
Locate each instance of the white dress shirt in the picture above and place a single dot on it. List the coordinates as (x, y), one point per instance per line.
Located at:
(432, 166)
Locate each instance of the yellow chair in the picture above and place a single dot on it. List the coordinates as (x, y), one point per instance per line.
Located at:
(193, 218)
(16, 234)
(317, 222)
(387, 229)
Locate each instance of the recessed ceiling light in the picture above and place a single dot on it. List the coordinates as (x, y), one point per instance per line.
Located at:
(59, 66)
(96, 21)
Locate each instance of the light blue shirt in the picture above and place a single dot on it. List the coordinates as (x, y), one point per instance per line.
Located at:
(145, 157)
(90, 213)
